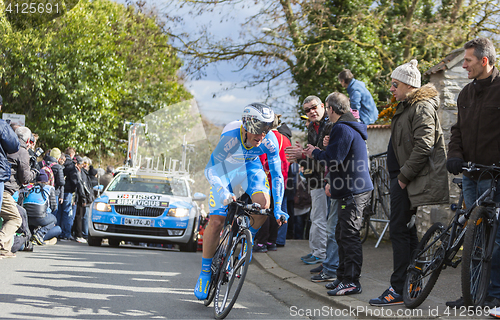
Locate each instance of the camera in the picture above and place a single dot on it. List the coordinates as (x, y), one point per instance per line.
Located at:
(33, 156)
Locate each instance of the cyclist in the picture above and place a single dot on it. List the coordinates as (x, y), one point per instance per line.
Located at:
(235, 162)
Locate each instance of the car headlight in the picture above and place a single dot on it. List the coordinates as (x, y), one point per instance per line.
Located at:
(101, 206)
(178, 212)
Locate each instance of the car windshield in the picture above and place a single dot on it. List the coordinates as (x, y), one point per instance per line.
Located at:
(170, 186)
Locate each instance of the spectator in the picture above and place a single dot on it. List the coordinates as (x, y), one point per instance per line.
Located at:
(351, 186)
(107, 177)
(51, 161)
(474, 138)
(39, 202)
(267, 236)
(89, 178)
(361, 99)
(314, 171)
(416, 159)
(12, 220)
(82, 198)
(22, 173)
(71, 186)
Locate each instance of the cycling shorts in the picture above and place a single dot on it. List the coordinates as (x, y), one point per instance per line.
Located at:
(252, 179)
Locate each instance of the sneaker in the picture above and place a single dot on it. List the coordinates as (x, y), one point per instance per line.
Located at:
(322, 277)
(457, 303)
(344, 289)
(7, 254)
(307, 256)
(259, 248)
(50, 241)
(333, 285)
(313, 260)
(491, 302)
(81, 240)
(36, 237)
(28, 246)
(272, 247)
(495, 312)
(202, 286)
(318, 269)
(388, 298)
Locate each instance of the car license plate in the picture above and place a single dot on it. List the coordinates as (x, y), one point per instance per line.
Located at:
(137, 222)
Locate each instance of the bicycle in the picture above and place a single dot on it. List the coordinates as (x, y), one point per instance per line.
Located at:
(378, 210)
(232, 257)
(439, 246)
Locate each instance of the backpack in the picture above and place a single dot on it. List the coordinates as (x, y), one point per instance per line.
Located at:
(49, 172)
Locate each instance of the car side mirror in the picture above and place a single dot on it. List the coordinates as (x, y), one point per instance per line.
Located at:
(199, 196)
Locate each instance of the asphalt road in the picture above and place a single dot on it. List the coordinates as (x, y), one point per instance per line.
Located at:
(74, 281)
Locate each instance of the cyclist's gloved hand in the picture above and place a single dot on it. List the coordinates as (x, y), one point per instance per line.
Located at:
(454, 165)
(279, 213)
(226, 197)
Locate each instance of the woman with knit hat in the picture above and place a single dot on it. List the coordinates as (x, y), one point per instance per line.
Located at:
(416, 160)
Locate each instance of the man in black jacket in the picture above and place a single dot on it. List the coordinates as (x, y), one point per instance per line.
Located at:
(72, 185)
(51, 161)
(314, 172)
(11, 218)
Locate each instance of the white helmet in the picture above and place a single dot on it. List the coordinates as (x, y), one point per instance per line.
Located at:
(257, 118)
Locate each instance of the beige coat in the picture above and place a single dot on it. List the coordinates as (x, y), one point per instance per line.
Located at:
(417, 139)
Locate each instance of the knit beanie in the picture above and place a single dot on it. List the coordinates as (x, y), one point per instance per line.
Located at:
(42, 176)
(408, 73)
(55, 152)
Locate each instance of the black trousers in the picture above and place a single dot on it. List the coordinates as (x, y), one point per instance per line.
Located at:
(350, 212)
(268, 232)
(404, 240)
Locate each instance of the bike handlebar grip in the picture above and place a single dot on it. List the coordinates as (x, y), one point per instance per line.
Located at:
(282, 219)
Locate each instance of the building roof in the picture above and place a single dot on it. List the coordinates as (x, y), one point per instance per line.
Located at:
(448, 62)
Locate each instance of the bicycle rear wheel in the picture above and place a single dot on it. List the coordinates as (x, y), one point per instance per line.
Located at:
(365, 227)
(232, 275)
(476, 264)
(217, 262)
(425, 267)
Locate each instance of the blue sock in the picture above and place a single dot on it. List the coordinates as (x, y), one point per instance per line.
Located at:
(203, 283)
(206, 265)
(253, 232)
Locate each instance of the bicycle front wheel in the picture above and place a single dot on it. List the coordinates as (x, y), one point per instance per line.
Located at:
(217, 263)
(476, 264)
(232, 275)
(425, 267)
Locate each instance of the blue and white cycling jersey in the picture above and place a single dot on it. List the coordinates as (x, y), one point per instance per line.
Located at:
(232, 164)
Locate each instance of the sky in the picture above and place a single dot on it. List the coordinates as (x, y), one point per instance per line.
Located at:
(216, 104)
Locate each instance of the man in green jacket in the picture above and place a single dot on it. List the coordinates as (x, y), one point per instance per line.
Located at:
(416, 160)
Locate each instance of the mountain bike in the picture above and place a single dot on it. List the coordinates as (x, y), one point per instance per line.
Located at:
(439, 246)
(378, 210)
(232, 257)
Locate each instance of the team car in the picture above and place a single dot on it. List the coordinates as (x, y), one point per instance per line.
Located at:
(146, 206)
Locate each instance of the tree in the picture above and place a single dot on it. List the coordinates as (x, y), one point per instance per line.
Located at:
(307, 42)
(78, 77)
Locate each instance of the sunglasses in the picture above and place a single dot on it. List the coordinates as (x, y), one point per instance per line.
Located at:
(307, 110)
(394, 84)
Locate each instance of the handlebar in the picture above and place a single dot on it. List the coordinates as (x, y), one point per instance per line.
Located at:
(251, 208)
(470, 166)
(378, 155)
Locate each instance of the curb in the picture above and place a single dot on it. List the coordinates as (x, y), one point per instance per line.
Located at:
(346, 304)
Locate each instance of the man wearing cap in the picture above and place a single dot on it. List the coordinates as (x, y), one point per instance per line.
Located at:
(40, 202)
(11, 218)
(416, 160)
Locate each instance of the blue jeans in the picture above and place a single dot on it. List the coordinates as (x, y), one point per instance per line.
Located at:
(85, 221)
(67, 215)
(49, 229)
(331, 262)
(472, 190)
(281, 239)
